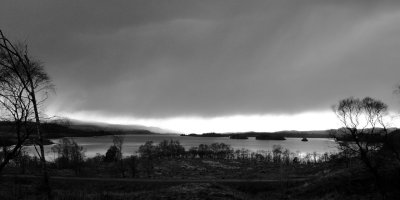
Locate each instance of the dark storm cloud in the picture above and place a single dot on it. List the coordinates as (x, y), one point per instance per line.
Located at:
(208, 58)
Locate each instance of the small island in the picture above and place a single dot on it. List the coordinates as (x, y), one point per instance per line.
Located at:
(304, 140)
(270, 137)
(241, 137)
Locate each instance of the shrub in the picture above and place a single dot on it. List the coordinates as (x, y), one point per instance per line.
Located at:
(132, 162)
(112, 154)
(69, 155)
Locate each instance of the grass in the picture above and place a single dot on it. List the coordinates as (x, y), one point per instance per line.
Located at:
(329, 181)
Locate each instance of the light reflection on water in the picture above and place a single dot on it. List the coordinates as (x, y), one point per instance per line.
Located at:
(94, 145)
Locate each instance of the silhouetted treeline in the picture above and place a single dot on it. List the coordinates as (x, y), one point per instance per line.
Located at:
(173, 149)
(270, 137)
(378, 135)
(238, 136)
(207, 135)
(279, 134)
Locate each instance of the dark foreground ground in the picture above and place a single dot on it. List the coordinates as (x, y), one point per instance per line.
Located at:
(27, 188)
(106, 188)
(210, 180)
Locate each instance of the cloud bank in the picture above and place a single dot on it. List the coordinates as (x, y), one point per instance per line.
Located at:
(166, 59)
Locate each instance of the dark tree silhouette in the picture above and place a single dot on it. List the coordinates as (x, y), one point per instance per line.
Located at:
(118, 142)
(16, 116)
(364, 132)
(69, 154)
(148, 152)
(112, 154)
(30, 75)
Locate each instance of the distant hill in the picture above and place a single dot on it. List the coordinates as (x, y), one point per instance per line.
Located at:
(82, 125)
(293, 134)
(66, 128)
(280, 134)
(286, 134)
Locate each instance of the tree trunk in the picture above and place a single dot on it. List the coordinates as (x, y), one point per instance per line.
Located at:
(9, 156)
(375, 173)
(41, 142)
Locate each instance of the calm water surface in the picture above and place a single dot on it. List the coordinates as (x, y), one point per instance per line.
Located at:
(94, 145)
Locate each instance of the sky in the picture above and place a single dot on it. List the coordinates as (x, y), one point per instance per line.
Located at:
(211, 65)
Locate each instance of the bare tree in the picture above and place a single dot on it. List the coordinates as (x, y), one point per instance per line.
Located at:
(364, 132)
(118, 142)
(30, 75)
(69, 155)
(16, 114)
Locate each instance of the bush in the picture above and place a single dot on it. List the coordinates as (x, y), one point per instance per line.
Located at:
(69, 155)
(132, 162)
(170, 149)
(112, 154)
(23, 161)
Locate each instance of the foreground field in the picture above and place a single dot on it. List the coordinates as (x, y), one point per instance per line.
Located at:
(207, 179)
